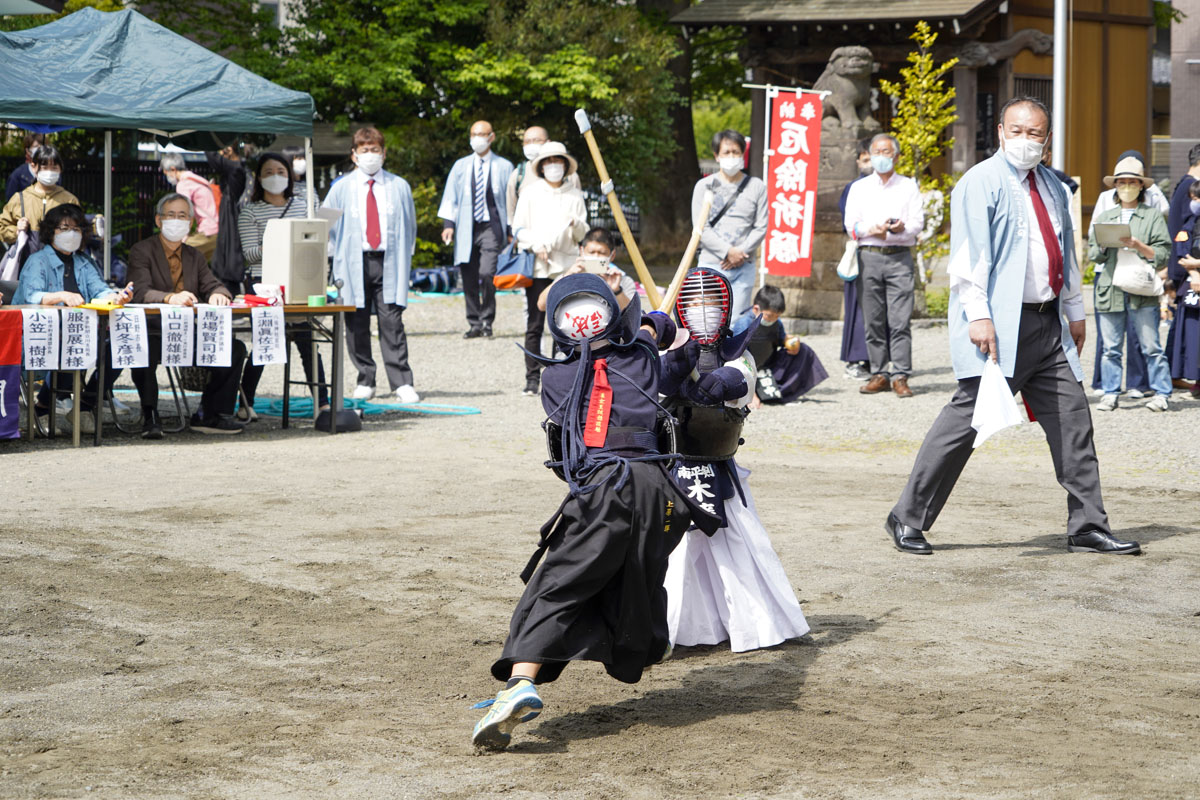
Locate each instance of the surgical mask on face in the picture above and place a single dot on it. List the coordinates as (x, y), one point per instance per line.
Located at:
(275, 184)
(1128, 193)
(531, 151)
(479, 144)
(1195, 207)
(1023, 153)
(48, 177)
(299, 167)
(553, 172)
(176, 230)
(370, 163)
(703, 321)
(881, 164)
(68, 241)
(730, 165)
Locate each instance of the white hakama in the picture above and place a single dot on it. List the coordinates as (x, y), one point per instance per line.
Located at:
(731, 586)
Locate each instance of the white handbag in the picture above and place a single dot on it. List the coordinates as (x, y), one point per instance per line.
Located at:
(847, 268)
(1133, 275)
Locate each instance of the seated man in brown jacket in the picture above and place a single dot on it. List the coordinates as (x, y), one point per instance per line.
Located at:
(163, 269)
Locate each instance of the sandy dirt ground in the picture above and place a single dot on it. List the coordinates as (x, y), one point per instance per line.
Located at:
(289, 614)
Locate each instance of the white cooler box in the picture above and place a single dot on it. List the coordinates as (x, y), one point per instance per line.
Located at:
(294, 257)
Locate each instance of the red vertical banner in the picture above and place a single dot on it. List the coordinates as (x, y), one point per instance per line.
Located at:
(11, 328)
(793, 159)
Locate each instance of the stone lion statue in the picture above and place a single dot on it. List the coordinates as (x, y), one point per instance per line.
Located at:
(847, 77)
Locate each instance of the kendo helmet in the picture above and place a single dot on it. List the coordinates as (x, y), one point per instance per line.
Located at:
(581, 308)
(704, 305)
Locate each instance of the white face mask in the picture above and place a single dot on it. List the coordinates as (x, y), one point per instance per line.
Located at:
(1022, 153)
(68, 241)
(48, 177)
(370, 163)
(730, 165)
(176, 230)
(275, 184)
(480, 144)
(531, 151)
(1195, 206)
(703, 321)
(299, 167)
(553, 172)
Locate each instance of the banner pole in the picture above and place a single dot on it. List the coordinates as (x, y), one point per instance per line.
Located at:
(771, 93)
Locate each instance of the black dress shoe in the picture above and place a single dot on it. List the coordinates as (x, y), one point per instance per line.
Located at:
(473, 333)
(487, 331)
(1100, 542)
(151, 424)
(907, 538)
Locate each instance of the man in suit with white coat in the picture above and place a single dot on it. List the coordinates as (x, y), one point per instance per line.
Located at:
(373, 243)
(1013, 279)
(475, 217)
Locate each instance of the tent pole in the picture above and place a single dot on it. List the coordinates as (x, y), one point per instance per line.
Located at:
(310, 200)
(108, 220)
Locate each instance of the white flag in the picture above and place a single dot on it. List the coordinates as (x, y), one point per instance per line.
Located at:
(270, 346)
(127, 338)
(80, 338)
(178, 336)
(214, 346)
(40, 337)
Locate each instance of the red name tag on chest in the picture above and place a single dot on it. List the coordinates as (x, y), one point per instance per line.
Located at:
(595, 427)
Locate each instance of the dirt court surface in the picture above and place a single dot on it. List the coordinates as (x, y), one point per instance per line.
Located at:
(288, 614)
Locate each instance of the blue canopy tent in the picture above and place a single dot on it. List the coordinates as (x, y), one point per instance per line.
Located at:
(94, 69)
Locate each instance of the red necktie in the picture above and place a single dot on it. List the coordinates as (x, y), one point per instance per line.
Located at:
(373, 236)
(595, 426)
(1049, 237)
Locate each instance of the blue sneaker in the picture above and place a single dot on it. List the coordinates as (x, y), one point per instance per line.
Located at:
(509, 709)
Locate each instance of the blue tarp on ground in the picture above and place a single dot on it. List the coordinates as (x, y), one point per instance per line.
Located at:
(94, 69)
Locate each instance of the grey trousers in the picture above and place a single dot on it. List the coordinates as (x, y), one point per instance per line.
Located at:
(886, 296)
(1056, 397)
(478, 289)
(392, 341)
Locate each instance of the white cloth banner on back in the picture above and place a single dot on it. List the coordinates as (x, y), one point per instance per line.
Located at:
(80, 336)
(214, 346)
(995, 405)
(40, 337)
(128, 339)
(270, 346)
(178, 336)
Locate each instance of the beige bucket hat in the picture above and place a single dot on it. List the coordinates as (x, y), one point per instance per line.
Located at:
(1129, 167)
(551, 150)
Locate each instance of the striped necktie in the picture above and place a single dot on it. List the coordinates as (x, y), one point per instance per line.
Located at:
(481, 213)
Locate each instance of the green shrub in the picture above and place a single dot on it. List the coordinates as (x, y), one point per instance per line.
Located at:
(937, 302)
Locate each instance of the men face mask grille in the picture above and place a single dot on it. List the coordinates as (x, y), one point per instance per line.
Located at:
(703, 306)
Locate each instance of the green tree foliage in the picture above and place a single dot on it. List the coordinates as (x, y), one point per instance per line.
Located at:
(710, 116)
(925, 109)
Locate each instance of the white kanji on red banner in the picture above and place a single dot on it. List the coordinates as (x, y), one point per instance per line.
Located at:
(793, 158)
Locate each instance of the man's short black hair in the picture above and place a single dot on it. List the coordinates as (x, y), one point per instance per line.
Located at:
(56, 215)
(1194, 190)
(602, 235)
(864, 146)
(1026, 100)
(731, 135)
(770, 298)
(1194, 156)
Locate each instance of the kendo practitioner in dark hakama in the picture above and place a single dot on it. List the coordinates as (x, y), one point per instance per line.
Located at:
(598, 594)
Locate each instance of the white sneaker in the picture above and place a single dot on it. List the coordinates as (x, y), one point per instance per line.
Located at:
(407, 394)
(1107, 403)
(1097, 393)
(1157, 403)
(122, 408)
(1135, 394)
(363, 392)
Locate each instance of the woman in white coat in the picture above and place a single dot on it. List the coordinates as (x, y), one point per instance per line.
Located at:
(550, 220)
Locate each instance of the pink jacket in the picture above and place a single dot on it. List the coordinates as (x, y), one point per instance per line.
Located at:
(196, 189)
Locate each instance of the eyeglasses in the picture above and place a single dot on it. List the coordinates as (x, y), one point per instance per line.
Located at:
(175, 215)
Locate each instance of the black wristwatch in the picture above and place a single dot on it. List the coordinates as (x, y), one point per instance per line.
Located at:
(618, 290)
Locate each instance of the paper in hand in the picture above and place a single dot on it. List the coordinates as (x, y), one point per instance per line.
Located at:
(1110, 234)
(995, 406)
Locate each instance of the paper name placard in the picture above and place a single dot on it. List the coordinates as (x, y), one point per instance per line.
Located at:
(40, 329)
(127, 338)
(80, 329)
(270, 346)
(178, 336)
(214, 338)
